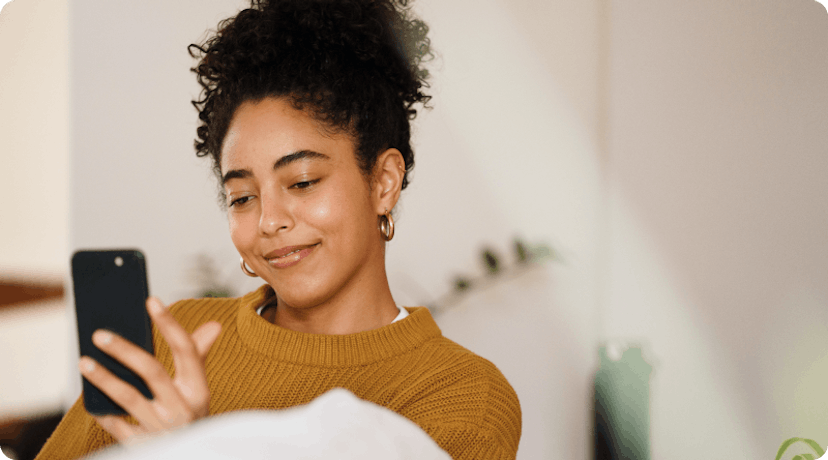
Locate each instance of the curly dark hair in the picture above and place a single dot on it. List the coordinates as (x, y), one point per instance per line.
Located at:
(355, 65)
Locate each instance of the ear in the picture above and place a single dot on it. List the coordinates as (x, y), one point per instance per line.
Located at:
(387, 184)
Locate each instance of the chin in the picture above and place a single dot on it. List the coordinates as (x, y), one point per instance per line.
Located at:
(302, 293)
(302, 302)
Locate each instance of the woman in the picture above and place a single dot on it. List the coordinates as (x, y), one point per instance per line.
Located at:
(305, 114)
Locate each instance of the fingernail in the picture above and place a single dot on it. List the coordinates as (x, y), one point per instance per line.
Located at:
(87, 365)
(154, 305)
(102, 337)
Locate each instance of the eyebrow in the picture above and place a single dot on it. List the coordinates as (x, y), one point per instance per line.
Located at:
(280, 163)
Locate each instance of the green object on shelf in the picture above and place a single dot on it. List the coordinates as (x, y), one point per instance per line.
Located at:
(622, 405)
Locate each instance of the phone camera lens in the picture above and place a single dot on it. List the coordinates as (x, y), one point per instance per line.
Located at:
(119, 261)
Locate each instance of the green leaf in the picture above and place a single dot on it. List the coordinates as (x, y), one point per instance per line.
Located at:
(814, 445)
(543, 252)
(491, 261)
(810, 442)
(461, 284)
(521, 252)
(217, 293)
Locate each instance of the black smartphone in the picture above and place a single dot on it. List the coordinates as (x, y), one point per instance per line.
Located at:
(111, 292)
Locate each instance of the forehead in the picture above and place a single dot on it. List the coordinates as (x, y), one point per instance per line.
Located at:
(264, 131)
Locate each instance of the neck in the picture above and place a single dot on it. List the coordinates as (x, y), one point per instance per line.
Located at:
(358, 307)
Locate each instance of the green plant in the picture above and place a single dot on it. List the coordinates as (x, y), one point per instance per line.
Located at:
(495, 268)
(809, 442)
(493, 264)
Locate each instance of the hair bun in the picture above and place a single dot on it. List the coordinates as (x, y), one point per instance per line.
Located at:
(357, 65)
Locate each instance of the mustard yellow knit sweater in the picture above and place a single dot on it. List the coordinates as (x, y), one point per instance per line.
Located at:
(457, 397)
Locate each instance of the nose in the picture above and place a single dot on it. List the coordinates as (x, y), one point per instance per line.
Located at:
(276, 215)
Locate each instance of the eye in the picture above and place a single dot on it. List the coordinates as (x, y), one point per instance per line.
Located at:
(240, 201)
(304, 184)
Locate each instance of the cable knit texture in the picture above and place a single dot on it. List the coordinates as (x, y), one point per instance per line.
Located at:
(460, 399)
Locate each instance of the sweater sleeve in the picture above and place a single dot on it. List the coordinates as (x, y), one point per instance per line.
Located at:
(469, 442)
(478, 419)
(77, 435)
(493, 437)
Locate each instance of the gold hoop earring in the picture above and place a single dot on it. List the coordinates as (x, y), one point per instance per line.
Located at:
(386, 226)
(246, 270)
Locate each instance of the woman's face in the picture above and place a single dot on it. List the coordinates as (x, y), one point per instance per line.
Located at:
(301, 213)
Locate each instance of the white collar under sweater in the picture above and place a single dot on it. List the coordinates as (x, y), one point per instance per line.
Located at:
(403, 313)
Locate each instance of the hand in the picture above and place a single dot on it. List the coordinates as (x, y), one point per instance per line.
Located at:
(177, 401)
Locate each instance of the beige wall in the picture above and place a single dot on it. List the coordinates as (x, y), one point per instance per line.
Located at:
(34, 222)
(34, 128)
(509, 149)
(719, 256)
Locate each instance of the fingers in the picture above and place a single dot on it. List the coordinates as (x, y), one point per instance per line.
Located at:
(145, 366)
(185, 355)
(123, 431)
(205, 336)
(195, 390)
(124, 394)
(119, 428)
(176, 401)
(189, 353)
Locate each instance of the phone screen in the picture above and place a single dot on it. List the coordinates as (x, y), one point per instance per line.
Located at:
(111, 290)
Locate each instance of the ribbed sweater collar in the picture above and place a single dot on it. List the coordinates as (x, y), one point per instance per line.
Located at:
(331, 350)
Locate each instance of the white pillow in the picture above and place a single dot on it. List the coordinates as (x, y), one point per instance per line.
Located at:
(336, 425)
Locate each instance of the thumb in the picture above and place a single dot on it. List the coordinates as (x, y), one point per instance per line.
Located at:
(205, 336)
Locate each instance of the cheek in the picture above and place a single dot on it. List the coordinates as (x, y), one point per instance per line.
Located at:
(240, 233)
(340, 214)
(322, 212)
(330, 210)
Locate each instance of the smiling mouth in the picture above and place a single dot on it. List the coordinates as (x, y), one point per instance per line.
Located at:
(288, 254)
(286, 257)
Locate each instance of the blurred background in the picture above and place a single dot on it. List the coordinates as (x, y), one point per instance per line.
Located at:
(671, 157)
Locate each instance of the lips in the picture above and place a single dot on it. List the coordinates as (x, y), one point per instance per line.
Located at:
(286, 251)
(288, 256)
